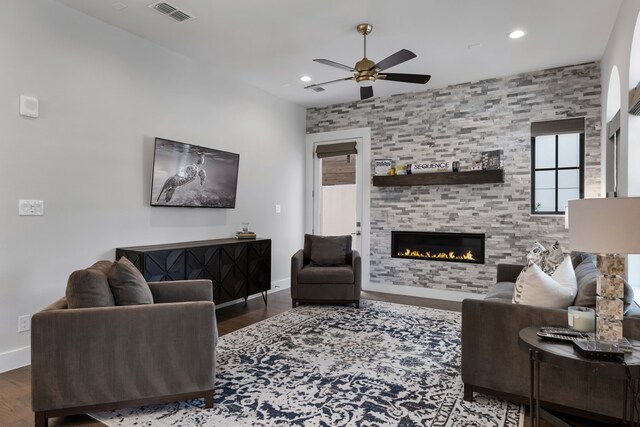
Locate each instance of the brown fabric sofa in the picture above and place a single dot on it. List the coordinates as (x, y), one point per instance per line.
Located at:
(91, 359)
(493, 363)
(340, 282)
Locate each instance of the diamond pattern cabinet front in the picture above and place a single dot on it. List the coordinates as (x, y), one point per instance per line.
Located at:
(203, 262)
(233, 272)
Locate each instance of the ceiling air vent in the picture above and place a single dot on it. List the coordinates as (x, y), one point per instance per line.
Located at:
(171, 11)
(318, 89)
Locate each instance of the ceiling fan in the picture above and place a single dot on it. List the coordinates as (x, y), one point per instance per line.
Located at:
(366, 71)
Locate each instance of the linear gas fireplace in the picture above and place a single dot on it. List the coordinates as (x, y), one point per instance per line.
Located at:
(451, 247)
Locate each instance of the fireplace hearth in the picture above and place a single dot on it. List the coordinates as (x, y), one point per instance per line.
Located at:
(431, 246)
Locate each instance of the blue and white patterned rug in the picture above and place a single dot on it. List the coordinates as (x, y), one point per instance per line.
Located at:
(382, 365)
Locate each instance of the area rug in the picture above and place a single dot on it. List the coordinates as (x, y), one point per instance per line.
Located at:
(381, 365)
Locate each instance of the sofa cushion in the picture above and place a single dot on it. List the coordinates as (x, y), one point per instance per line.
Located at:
(535, 287)
(90, 287)
(587, 275)
(501, 290)
(336, 274)
(127, 284)
(308, 240)
(329, 250)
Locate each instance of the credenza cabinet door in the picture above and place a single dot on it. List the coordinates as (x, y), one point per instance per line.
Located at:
(233, 272)
(203, 262)
(259, 266)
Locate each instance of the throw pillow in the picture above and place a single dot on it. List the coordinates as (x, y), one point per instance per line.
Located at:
(90, 287)
(587, 275)
(535, 287)
(128, 284)
(547, 259)
(329, 250)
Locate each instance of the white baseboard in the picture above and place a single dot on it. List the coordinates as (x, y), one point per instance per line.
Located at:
(414, 291)
(14, 359)
(276, 286)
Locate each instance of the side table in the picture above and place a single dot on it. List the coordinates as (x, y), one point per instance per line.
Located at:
(564, 356)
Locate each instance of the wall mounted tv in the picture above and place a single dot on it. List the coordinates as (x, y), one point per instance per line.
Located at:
(192, 176)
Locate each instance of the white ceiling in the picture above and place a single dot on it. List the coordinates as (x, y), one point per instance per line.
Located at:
(270, 44)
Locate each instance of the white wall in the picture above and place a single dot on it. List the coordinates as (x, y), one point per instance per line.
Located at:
(618, 53)
(104, 95)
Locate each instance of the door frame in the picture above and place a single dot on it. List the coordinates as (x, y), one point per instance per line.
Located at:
(363, 136)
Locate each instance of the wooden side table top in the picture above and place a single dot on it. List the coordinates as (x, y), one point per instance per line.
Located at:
(563, 355)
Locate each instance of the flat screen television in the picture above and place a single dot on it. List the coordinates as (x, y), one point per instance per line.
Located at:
(192, 176)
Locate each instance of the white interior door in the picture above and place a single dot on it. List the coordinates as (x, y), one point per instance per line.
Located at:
(362, 137)
(337, 195)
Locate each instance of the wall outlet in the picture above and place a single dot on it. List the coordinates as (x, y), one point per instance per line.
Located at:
(277, 208)
(31, 207)
(24, 323)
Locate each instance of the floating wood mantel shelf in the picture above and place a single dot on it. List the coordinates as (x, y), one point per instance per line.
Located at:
(441, 178)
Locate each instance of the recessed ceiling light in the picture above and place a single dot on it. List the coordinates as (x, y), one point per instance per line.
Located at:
(516, 34)
(305, 79)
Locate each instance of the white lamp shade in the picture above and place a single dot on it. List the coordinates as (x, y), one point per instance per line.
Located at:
(605, 226)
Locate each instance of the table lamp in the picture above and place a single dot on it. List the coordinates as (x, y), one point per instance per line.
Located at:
(608, 228)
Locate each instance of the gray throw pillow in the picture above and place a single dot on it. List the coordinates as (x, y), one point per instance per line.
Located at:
(128, 285)
(329, 250)
(587, 277)
(90, 287)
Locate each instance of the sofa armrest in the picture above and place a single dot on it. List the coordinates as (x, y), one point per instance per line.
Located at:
(297, 262)
(181, 291)
(90, 356)
(491, 356)
(508, 272)
(356, 263)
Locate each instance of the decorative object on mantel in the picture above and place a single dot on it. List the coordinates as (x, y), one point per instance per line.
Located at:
(441, 178)
(381, 167)
(609, 228)
(429, 167)
(476, 161)
(401, 169)
(492, 160)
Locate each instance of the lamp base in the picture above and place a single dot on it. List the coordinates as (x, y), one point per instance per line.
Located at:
(609, 303)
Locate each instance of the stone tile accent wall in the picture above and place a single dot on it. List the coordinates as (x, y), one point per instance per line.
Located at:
(449, 124)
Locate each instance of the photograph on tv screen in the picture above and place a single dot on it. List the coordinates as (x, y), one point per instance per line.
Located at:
(193, 176)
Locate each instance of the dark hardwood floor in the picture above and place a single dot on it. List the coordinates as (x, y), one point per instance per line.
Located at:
(15, 386)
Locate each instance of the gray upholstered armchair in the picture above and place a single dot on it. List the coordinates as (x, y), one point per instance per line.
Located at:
(101, 358)
(326, 271)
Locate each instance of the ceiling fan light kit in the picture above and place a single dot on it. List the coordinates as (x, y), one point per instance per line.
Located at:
(366, 72)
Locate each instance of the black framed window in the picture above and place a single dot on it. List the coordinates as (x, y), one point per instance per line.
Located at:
(557, 165)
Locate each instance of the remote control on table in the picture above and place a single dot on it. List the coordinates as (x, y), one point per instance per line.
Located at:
(562, 331)
(559, 337)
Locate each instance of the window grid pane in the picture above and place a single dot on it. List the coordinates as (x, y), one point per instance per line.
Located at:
(545, 152)
(560, 180)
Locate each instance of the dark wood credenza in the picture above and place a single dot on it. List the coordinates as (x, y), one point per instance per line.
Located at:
(237, 268)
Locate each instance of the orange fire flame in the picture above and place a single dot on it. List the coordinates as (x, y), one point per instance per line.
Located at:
(442, 255)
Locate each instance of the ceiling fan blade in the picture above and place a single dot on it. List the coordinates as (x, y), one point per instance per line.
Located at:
(406, 78)
(327, 83)
(335, 64)
(399, 57)
(366, 92)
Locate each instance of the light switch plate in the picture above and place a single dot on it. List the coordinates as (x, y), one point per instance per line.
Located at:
(31, 207)
(277, 208)
(29, 107)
